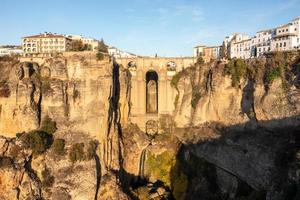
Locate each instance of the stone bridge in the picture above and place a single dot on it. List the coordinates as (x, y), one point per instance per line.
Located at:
(151, 93)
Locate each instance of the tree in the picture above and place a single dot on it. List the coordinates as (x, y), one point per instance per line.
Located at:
(77, 45)
(102, 47)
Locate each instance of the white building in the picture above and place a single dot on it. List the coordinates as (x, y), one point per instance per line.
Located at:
(92, 43)
(45, 43)
(199, 51)
(117, 53)
(241, 49)
(235, 44)
(287, 37)
(8, 51)
(261, 42)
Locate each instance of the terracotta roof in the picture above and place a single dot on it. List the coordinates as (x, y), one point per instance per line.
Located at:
(48, 35)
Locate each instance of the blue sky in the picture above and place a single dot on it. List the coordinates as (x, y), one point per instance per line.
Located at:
(145, 27)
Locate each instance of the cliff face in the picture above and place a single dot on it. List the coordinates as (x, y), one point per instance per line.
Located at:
(206, 94)
(68, 134)
(84, 97)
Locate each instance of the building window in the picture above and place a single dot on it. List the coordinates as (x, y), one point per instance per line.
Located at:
(280, 44)
(284, 44)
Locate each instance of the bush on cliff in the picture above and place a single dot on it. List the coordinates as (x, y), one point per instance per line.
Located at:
(91, 149)
(76, 152)
(47, 178)
(237, 69)
(4, 89)
(38, 141)
(273, 74)
(195, 96)
(48, 125)
(159, 167)
(58, 147)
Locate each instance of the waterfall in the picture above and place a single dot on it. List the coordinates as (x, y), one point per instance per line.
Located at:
(142, 164)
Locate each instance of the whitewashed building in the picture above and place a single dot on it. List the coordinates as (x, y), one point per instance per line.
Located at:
(234, 44)
(92, 43)
(117, 53)
(261, 42)
(241, 49)
(8, 51)
(287, 37)
(198, 51)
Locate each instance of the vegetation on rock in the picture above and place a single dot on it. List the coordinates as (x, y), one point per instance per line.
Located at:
(48, 125)
(47, 178)
(195, 96)
(4, 89)
(102, 50)
(159, 167)
(76, 153)
(237, 69)
(91, 149)
(58, 147)
(38, 141)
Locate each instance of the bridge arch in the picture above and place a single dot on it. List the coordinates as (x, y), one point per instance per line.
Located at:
(151, 91)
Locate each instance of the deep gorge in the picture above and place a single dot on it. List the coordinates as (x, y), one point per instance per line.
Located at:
(67, 131)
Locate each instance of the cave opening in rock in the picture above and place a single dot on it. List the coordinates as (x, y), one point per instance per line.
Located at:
(151, 92)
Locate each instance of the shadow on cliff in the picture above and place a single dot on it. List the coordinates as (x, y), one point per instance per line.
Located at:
(255, 160)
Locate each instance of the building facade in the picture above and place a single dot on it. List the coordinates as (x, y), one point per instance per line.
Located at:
(45, 43)
(92, 43)
(287, 37)
(208, 53)
(117, 53)
(241, 49)
(237, 45)
(9, 51)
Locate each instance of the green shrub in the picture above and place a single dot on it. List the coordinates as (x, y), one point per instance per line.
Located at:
(47, 178)
(48, 125)
(91, 150)
(200, 60)
(4, 89)
(58, 147)
(100, 56)
(160, 166)
(38, 141)
(76, 94)
(46, 87)
(195, 96)
(237, 69)
(76, 152)
(273, 74)
(175, 80)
